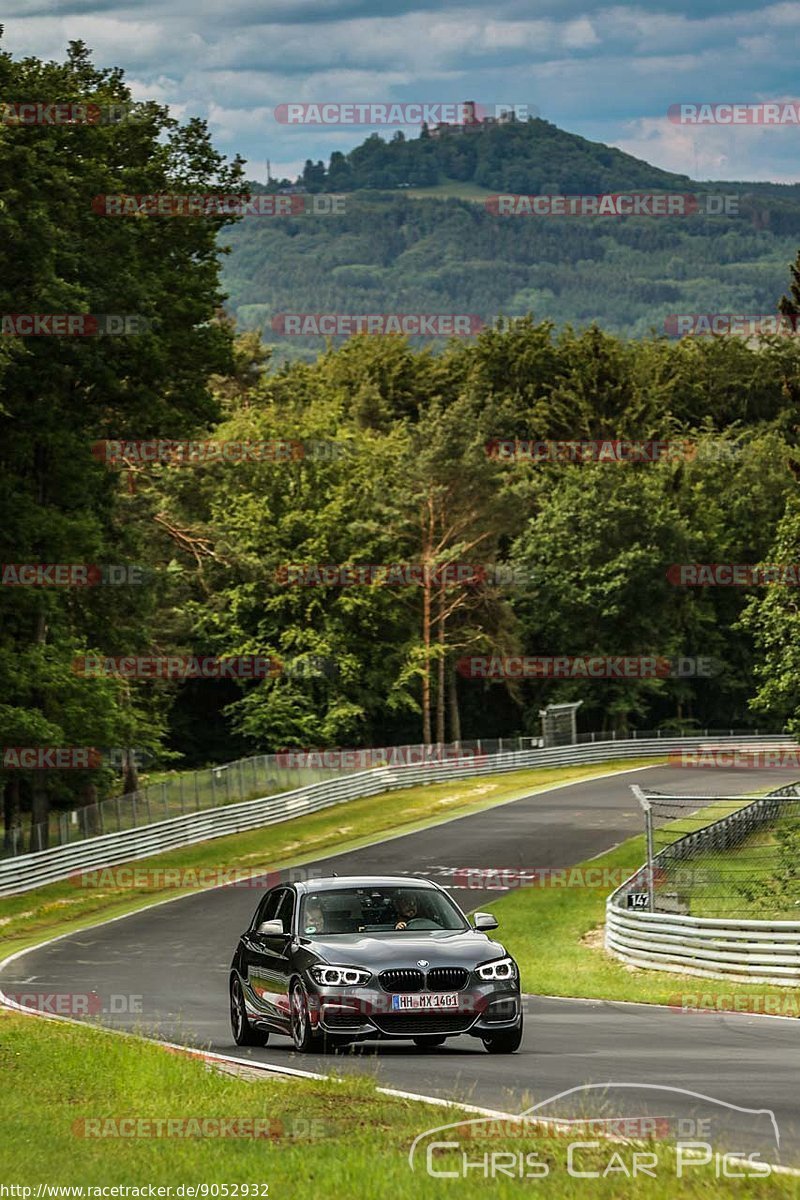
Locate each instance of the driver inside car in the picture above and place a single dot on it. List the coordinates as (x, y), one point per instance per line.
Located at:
(407, 909)
(315, 917)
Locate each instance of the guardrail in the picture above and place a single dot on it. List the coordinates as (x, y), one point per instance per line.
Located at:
(182, 792)
(47, 866)
(739, 950)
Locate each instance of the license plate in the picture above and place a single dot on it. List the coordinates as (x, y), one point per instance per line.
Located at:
(425, 1000)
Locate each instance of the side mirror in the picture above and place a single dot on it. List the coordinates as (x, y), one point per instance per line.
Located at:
(271, 929)
(484, 920)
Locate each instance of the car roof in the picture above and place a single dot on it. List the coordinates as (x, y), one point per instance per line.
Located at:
(333, 882)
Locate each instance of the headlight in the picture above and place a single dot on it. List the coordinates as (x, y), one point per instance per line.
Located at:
(501, 968)
(339, 976)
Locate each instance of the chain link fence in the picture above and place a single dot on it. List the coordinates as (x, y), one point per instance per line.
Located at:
(246, 779)
(720, 856)
(269, 774)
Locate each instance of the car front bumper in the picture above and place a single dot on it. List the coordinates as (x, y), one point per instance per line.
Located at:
(369, 1012)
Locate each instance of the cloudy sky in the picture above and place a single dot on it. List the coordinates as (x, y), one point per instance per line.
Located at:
(607, 72)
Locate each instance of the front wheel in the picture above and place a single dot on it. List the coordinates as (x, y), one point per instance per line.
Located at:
(505, 1041)
(243, 1032)
(303, 1036)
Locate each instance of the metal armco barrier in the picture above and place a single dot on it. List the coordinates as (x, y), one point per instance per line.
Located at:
(28, 871)
(742, 951)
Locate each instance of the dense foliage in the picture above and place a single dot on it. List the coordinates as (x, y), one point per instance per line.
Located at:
(392, 253)
(395, 470)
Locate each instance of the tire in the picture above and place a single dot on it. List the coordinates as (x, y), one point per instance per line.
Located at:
(429, 1043)
(305, 1040)
(505, 1041)
(243, 1032)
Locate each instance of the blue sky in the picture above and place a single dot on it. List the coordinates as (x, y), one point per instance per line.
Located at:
(607, 72)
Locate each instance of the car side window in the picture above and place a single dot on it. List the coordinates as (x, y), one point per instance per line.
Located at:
(268, 908)
(286, 910)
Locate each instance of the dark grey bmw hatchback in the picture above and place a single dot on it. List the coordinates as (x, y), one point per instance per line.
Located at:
(343, 960)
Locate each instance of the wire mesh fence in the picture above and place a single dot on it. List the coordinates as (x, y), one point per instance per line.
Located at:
(721, 856)
(213, 787)
(183, 792)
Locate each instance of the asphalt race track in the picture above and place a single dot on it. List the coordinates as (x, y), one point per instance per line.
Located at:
(176, 957)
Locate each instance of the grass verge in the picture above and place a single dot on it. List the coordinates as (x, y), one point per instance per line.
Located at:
(340, 1139)
(64, 907)
(556, 935)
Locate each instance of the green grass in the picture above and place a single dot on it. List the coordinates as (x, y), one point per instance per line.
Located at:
(338, 1139)
(31, 917)
(709, 883)
(715, 881)
(555, 933)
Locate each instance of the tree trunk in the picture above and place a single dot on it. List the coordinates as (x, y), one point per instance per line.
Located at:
(441, 680)
(40, 812)
(91, 811)
(11, 816)
(426, 666)
(130, 773)
(455, 713)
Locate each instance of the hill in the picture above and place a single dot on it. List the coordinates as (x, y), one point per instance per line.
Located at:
(418, 235)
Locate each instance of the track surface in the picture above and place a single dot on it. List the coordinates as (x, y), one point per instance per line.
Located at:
(176, 957)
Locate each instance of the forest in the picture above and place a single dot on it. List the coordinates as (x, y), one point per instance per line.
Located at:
(375, 453)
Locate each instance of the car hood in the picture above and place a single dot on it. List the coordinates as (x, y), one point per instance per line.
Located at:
(379, 950)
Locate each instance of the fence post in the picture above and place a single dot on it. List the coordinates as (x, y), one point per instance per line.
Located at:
(197, 790)
(648, 826)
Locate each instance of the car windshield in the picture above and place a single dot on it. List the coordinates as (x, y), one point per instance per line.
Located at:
(378, 910)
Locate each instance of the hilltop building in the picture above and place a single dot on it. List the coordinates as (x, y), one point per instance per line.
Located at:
(473, 123)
